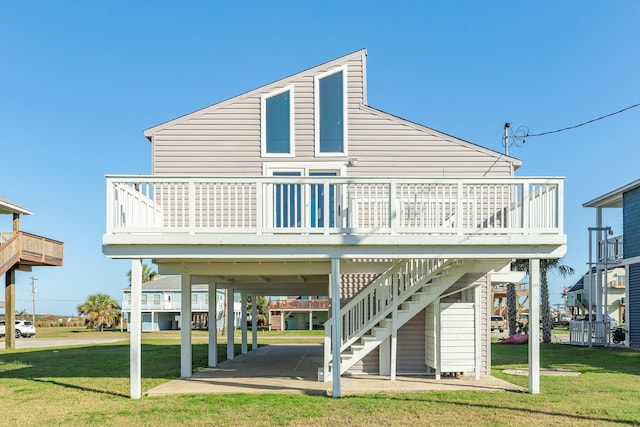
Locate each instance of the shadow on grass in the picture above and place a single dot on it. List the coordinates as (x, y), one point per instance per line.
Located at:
(80, 388)
(110, 361)
(583, 359)
(571, 416)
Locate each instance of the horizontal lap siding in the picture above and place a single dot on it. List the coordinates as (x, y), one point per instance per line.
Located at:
(224, 139)
(386, 146)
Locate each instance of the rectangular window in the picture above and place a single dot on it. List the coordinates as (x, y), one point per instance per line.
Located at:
(331, 112)
(194, 299)
(156, 299)
(144, 299)
(277, 128)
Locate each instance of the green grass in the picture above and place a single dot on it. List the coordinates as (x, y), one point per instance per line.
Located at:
(89, 385)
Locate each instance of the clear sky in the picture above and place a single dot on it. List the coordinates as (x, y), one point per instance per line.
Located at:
(80, 81)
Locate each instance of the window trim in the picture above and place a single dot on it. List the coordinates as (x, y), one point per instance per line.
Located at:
(345, 112)
(263, 122)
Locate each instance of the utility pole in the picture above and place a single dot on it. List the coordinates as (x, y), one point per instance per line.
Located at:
(33, 299)
(506, 138)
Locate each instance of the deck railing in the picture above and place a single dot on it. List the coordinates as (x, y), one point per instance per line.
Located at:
(613, 251)
(334, 205)
(299, 304)
(30, 249)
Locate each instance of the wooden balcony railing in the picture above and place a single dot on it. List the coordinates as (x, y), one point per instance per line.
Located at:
(334, 205)
(28, 249)
(299, 304)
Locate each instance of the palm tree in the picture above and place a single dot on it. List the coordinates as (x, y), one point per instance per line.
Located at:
(546, 265)
(100, 311)
(512, 310)
(147, 274)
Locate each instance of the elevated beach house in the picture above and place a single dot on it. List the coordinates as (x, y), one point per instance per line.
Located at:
(298, 186)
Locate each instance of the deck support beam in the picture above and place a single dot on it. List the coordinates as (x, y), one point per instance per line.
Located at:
(534, 326)
(336, 330)
(186, 368)
(213, 325)
(135, 331)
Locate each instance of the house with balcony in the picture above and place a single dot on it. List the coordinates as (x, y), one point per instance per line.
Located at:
(300, 187)
(161, 301)
(21, 251)
(609, 250)
(582, 295)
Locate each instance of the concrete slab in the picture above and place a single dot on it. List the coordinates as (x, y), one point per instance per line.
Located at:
(293, 369)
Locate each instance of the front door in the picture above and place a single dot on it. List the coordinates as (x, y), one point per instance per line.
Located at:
(298, 206)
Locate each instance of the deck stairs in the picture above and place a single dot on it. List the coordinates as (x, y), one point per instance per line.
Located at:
(385, 305)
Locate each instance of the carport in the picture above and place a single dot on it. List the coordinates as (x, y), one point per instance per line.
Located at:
(292, 368)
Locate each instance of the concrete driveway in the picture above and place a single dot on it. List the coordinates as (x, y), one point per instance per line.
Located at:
(294, 369)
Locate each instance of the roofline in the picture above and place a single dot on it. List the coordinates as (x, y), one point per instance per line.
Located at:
(613, 198)
(150, 131)
(7, 207)
(516, 162)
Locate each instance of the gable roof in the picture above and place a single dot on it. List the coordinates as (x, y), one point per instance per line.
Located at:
(7, 207)
(612, 199)
(362, 53)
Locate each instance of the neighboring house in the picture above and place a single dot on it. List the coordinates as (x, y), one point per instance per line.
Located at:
(161, 300)
(21, 251)
(586, 287)
(298, 313)
(296, 186)
(622, 251)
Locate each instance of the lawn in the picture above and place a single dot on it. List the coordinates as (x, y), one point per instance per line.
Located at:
(90, 385)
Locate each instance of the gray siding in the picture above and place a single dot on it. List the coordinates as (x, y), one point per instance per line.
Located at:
(230, 131)
(411, 346)
(224, 139)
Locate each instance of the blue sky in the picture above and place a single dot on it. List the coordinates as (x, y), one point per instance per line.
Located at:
(80, 81)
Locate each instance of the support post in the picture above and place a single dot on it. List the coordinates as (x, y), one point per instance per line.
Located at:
(135, 330)
(534, 326)
(213, 325)
(254, 322)
(336, 329)
(230, 324)
(243, 309)
(393, 362)
(10, 308)
(185, 328)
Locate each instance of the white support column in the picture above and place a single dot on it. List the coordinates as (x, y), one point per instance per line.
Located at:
(336, 329)
(393, 362)
(243, 326)
(310, 320)
(185, 327)
(534, 326)
(135, 330)
(477, 305)
(230, 324)
(438, 349)
(254, 322)
(213, 325)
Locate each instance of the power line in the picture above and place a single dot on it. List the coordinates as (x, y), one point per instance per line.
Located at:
(583, 123)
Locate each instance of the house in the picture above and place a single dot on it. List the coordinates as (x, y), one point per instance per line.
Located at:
(585, 290)
(297, 186)
(21, 251)
(621, 251)
(161, 300)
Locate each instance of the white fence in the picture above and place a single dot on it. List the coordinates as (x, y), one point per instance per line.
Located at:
(334, 205)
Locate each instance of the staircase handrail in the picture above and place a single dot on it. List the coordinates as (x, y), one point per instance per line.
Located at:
(360, 320)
